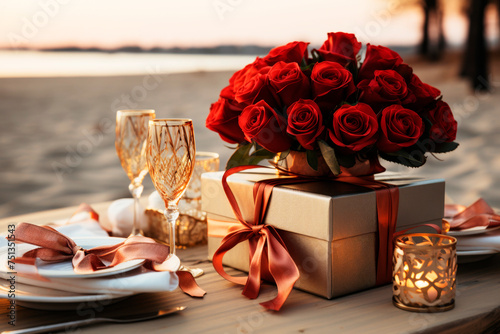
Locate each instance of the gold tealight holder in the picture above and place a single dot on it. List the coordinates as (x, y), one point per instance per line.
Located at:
(191, 226)
(191, 229)
(424, 272)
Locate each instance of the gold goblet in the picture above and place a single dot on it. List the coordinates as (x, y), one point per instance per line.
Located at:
(170, 158)
(130, 143)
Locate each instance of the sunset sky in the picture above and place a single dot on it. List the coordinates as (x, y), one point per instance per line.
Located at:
(166, 23)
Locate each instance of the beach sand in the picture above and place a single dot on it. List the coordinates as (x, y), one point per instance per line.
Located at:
(57, 134)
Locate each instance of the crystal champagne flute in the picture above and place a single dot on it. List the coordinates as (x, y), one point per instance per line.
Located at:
(130, 143)
(170, 157)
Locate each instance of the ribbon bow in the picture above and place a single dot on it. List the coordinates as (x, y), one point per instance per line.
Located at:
(269, 255)
(479, 214)
(56, 247)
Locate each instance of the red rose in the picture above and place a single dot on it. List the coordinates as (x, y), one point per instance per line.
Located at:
(255, 89)
(223, 119)
(331, 84)
(305, 122)
(399, 127)
(289, 82)
(444, 125)
(262, 124)
(227, 92)
(291, 52)
(386, 88)
(405, 71)
(378, 58)
(424, 93)
(249, 71)
(354, 128)
(340, 47)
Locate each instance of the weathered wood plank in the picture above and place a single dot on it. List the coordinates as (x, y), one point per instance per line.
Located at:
(225, 310)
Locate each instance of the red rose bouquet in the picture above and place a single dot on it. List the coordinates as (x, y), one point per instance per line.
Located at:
(332, 105)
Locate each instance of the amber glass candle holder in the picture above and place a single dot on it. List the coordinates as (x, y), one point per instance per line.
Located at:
(424, 272)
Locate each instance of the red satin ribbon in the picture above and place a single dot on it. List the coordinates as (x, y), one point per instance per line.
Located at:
(56, 247)
(93, 215)
(478, 214)
(387, 196)
(268, 254)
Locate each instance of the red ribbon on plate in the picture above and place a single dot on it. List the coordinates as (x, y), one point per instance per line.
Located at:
(268, 253)
(56, 247)
(478, 214)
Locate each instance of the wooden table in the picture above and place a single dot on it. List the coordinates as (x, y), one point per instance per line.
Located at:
(225, 310)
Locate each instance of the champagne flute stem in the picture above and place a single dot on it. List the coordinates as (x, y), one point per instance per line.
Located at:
(136, 191)
(172, 213)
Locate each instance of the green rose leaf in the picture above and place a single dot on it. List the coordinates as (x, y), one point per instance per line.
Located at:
(242, 156)
(347, 161)
(263, 153)
(328, 154)
(259, 155)
(415, 158)
(312, 159)
(241, 153)
(445, 147)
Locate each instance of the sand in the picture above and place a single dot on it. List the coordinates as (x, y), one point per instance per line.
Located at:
(57, 134)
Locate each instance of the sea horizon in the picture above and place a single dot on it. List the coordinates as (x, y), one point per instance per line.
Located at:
(133, 60)
(36, 63)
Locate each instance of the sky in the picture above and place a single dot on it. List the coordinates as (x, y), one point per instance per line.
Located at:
(167, 23)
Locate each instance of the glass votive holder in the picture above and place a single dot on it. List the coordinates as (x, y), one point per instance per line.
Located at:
(424, 272)
(204, 162)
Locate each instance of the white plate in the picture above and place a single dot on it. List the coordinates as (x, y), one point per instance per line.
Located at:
(50, 299)
(475, 255)
(471, 231)
(476, 252)
(65, 269)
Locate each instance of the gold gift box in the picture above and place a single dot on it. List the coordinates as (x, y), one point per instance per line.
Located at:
(329, 228)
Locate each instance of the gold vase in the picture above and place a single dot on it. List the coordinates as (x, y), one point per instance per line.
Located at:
(296, 163)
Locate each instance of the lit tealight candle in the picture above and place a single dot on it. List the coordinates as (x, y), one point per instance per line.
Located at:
(424, 272)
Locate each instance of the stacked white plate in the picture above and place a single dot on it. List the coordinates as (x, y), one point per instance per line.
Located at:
(477, 243)
(59, 287)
